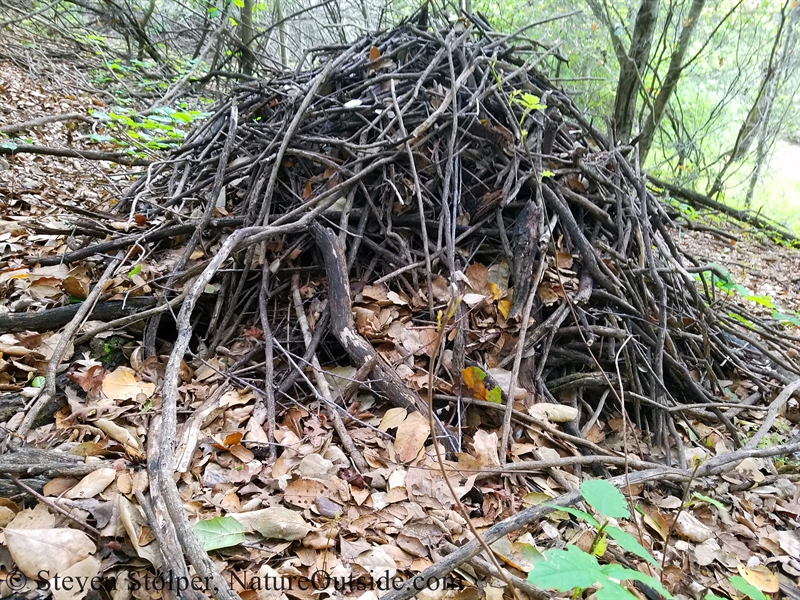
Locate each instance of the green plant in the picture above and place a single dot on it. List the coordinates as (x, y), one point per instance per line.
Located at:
(576, 570)
(161, 128)
(529, 103)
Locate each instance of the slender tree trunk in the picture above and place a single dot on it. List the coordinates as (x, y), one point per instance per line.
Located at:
(749, 129)
(145, 20)
(281, 33)
(631, 68)
(247, 35)
(671, 80)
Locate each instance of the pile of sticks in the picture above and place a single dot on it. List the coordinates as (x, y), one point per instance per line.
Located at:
(396, 164)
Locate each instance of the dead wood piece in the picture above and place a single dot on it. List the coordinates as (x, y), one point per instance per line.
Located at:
(53, 318)
(33, 123)
(50, 463)
(116, 157)
(385, 378)
(698, 199)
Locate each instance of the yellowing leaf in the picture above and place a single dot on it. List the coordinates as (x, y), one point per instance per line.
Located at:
(374, 54)
(495, 291)
(122, 385)
(503, 307)
(600, 547)
(473, 377)
(495, 395)
(760, 577)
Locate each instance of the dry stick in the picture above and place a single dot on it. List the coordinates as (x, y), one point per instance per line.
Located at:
(523, 330)
(514, 523)
(485, 567)
(116, 157)
(537, 466)
(153, 523)
(49, 502)
(17, 127)
(125, 321)
(719, 464)
(420, 203)
(322, 383)
(49, 390)
(269, 367)
(451, 310)
(772, 414)
(161, 522)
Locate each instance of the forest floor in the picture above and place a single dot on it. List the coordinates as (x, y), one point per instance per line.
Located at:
(752, 534)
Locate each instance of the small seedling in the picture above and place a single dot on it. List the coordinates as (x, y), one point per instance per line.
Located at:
(574, 570)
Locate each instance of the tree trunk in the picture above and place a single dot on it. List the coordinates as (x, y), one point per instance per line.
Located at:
(247, 35)
(671, 80)
(281, 33)
(631, 67)
(749, 128)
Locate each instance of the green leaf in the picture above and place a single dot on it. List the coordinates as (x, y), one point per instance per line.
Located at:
(716, 503)
(9, 145)
(233, 22)
(530, 553)
(605, 499)
(622, 574)
(134, 271)
(38, 382)
(238, 3)
(713, 597)
(219, 532)
(630, 543)
(611, 590)
(578, 514)
(495, 395)
(786, 318)
(565, 570)
(751, 591)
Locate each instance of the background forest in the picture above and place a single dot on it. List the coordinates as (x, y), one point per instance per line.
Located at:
(707, 88)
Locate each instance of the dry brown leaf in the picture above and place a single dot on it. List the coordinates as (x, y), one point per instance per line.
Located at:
(37, 517)
(121, 384)
(411, 436)
(84, 572)
(689, 527)
(134, 523)
(304, 492)
(94, 483)
(484, 446)
(393, 418)
(51, 550)
(555, 413)
(59, 485)
(377, 563)
(276, 523)
(118, 433)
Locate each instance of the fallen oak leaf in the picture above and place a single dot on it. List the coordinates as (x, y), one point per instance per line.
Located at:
(121, 384)
(38, 551)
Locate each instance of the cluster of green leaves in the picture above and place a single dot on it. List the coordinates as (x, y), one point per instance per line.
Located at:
(576, 570)
(730, 287)
(572, 569)
(159, 129)
(529, 103)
